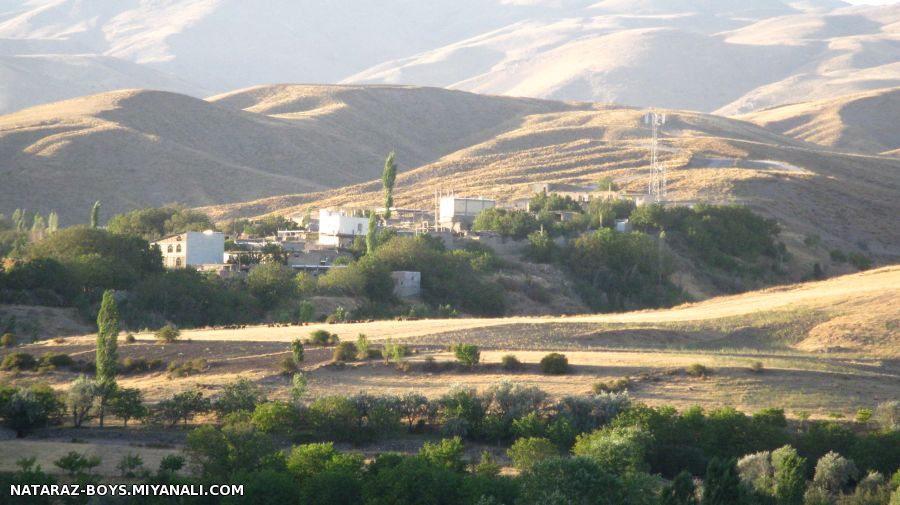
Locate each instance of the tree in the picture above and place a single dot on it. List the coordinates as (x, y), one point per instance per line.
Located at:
(834, 473)
(24, 411)
(95, 214)
(222, 452)
(107, 338)
(107, 350)
(681, 492)
(617, 450)
(306, 312)
(127, 404)
(526, 452)
(722, 484)
(298, 387)
(560, 481)
(52, 222)
(297, 351)
(468, 355)
(447, 453)
(387, 180)
(80, 399)
(372, 233)
(242, 394)
(271, 283)
(789, 474)
(75, 464)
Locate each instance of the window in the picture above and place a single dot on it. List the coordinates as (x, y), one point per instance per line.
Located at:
(178, 248)
(177, 262)
(359, 227)
(170, 247)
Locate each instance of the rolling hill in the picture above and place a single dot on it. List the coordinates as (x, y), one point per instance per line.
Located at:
(729, 56)
(137, 148)
(863, 122)
(842, 197)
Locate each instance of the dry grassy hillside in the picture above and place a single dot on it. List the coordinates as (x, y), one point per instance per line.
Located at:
(862, 122)
(842, 197)
(142, 148)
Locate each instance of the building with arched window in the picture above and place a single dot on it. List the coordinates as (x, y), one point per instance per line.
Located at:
(192, 248)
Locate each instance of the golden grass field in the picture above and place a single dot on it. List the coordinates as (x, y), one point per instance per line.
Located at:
(826, 348)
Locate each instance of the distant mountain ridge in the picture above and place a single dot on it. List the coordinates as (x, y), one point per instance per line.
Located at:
(730, 56)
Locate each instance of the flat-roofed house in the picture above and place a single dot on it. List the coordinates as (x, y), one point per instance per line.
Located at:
(193, 248)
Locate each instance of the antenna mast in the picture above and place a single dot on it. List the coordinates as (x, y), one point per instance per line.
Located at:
(658, 177)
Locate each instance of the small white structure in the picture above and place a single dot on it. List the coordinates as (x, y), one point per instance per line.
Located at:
(407, 284)
(623, 225)
(193, 248)
(338, 229)
(456, 210)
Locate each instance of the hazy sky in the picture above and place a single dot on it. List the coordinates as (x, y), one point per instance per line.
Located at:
(873, 2)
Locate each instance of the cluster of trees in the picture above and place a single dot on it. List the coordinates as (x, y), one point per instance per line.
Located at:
(449, 278)
(583, 449)
(156, 223)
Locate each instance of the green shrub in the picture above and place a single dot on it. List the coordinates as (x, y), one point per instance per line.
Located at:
(617, 450)
(468, 355)
(527, 452)
(129, 339)
(510, 362)
(334, 417)
(345, 351)
(56, 360)
(362, 347)
(8, 340)
(447, 453)
(242, 394)
(168, 334)
(322, 338)
(838, 256)
(276, 417)
(306, 312)
(189, 367)
(555, 364)
(859, 260)
(615, 386)
(756, 366)
(297, 351)
(138, 365)
(697, 370)
(288, 365)
(18, 361)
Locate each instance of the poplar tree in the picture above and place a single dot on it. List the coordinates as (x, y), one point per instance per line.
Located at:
(387, 180)
(52, 222)
(722, 485)
(790, 472)
(95, 214)
(107, 350)
(372, 233)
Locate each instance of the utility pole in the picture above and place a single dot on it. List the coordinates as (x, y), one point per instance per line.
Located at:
(658, 177)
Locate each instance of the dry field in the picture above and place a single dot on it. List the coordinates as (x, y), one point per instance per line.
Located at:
(826, 348)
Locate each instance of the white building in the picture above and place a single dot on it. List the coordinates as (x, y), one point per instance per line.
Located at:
(455, 210)
(193, 248)
(338, 229)
(407, 284)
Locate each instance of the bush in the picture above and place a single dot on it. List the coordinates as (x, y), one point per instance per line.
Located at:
(859, 260)
(322, 338)
(526, 452)
(362, 347)
(189, 367)
(615, 386)
(334, 417)
(510, 362)
(243, 394)
(297, 352)
(276, 417)
(129, 339)
(8, 340)
(18, 361)
(138, 365)
(555, 364)
(617, 450)
(288, 365)
(756, 366)
(167, 334)
(345, 351)
(447, 453)
(56, 360)
(468, 355)
(697, 370)
(834, 473)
